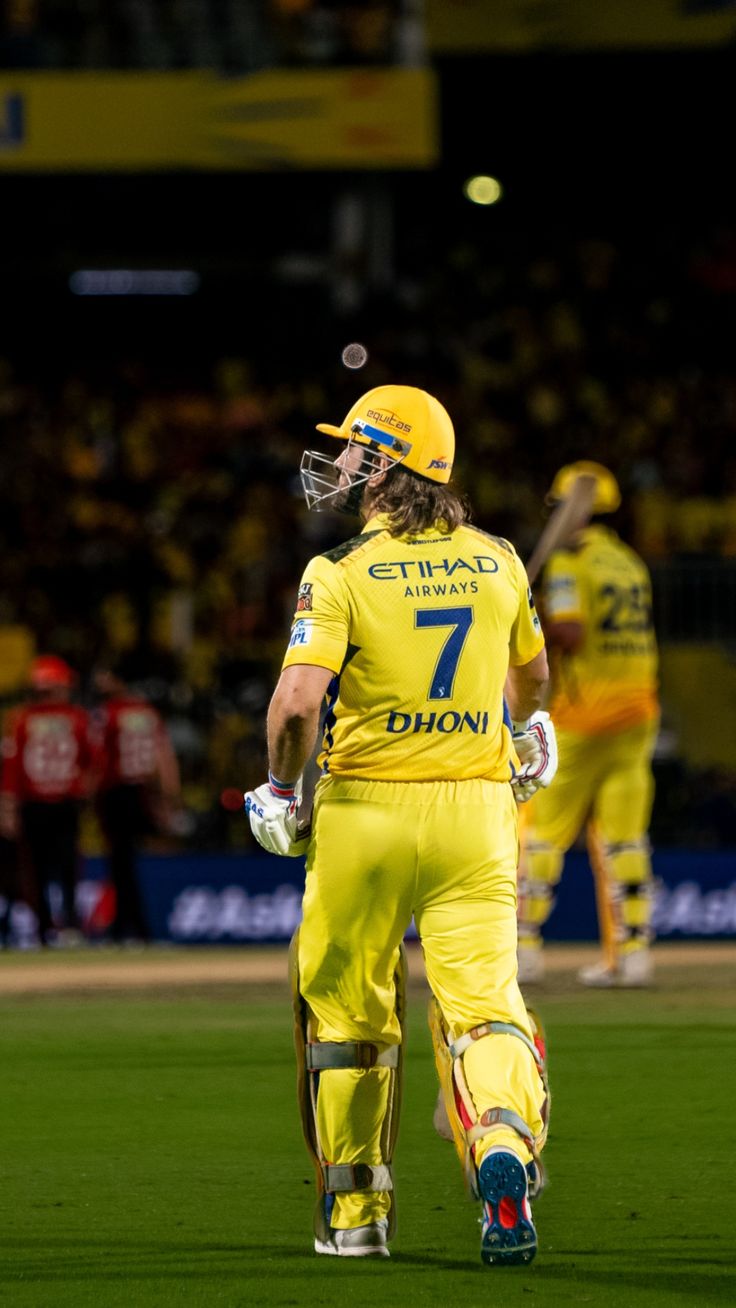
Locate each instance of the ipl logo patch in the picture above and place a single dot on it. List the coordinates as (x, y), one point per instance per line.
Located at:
(301, 633)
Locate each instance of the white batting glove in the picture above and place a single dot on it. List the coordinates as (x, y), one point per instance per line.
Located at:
(535, 743)
(273, 812)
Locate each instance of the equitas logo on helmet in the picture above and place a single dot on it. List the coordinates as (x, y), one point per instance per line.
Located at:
(388, 419)
(607, 494)
(401, 424)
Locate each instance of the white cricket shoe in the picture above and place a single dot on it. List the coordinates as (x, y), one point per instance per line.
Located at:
(359, 1242)
(632, 970)
(530, 960)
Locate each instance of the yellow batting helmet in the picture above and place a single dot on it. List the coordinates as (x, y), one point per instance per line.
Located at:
(607, 493)
(406, 424)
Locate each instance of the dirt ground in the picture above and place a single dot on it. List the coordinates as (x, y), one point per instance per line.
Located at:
(92, 969)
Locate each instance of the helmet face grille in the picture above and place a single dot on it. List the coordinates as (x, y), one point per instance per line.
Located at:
(319, 478)
(329, 486)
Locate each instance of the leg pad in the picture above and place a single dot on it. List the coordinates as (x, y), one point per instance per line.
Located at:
(315, 1057)
(460, 1120)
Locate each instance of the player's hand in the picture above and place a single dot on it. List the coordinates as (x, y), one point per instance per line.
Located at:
(274, 820)
(535, 743)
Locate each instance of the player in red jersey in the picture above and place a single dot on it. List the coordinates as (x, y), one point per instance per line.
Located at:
(47, 767)
(138, 790)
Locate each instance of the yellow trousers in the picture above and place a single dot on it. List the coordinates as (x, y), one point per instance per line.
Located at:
(607, 780)
(445, 852)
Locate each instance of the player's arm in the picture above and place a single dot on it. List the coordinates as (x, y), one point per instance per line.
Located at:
(314, 656)
(527, 682)
(562, 609)
(533, 733)
(293, 719)
(526, 687)
(528, 673)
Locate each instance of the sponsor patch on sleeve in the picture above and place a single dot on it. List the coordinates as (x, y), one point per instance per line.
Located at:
(534, 615)
(304, 598)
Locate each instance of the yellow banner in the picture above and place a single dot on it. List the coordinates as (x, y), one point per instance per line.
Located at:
(508, 26)
(323, 119)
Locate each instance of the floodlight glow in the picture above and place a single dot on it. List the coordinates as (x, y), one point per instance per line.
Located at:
(134, 281)
(482, 190)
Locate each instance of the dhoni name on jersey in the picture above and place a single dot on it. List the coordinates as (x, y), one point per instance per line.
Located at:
(419, 632)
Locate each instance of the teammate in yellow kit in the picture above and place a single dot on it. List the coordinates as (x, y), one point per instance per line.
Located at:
(596, 602)
(411, 630)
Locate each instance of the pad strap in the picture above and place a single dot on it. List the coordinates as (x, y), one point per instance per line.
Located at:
(641, 846)
(463, 1042)
(534, 846)
(493, 1117)
(500, 1117)
(325, 1055)
(343, 1177)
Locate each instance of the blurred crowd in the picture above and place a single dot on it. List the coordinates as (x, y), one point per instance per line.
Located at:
(232, 36)
(152, 515)
(618, 351)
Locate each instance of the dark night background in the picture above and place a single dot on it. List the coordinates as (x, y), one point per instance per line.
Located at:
(148, 445)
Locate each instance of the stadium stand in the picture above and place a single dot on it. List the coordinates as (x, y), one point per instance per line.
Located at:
(145, 449)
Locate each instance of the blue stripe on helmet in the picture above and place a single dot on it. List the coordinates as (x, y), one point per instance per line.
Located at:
(380, 437)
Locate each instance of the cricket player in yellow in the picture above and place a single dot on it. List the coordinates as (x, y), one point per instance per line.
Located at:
(597, 607)
(411, 630)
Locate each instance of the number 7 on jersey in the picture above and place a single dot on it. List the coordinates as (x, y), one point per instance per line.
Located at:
(460, 620)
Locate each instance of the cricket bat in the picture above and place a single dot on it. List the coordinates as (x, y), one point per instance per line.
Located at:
(569, 515)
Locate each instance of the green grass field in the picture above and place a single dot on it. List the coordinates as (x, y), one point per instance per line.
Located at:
(152, 1155)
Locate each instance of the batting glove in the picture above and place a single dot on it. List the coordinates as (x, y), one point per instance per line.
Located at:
(273, 811)
(535, 743)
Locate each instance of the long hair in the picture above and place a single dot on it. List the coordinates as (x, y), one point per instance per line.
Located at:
(413, 504)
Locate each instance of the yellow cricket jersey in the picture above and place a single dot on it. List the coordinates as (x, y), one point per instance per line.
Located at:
(419, 631)
(611, 682)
